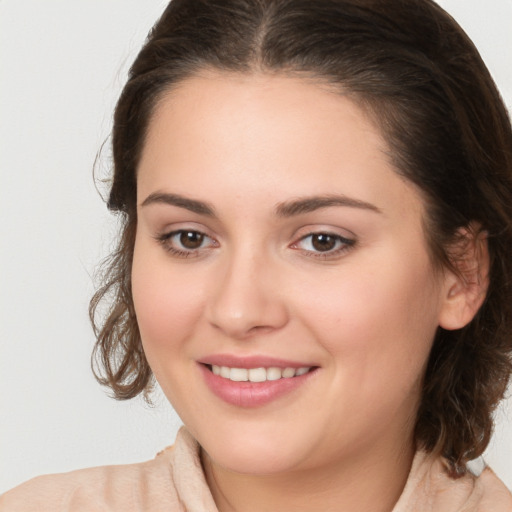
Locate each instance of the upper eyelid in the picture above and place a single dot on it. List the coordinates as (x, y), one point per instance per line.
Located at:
(180, 227)
(324, 230)
(327, 232)
(344, 239)
(173, 232)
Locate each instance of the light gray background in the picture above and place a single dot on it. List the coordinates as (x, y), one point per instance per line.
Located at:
(62, 64)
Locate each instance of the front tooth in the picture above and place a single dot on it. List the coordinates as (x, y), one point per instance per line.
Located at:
(225, 371)
(216, 369)
(257, 375)
(288, 372)
(274, 373)
(302, 371)
(238, 374)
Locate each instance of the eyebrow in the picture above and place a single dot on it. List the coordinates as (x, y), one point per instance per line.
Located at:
(192, 205)
(310, 204)
(285, 209)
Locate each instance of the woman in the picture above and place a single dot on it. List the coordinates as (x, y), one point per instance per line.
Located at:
(314, 262)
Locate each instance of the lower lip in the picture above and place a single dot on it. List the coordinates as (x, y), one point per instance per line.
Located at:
(251, 394)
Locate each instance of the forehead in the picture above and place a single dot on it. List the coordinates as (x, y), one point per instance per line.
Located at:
(259, 109)
(266, 136)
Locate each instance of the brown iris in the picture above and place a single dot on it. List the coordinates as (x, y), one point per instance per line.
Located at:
(191, 239)
(323, 242)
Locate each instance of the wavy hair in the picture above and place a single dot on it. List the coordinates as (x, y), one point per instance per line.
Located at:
(419, 76)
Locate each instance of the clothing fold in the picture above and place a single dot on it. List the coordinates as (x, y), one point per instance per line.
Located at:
(175, 482)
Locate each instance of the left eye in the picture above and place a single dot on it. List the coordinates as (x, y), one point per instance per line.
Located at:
(323, 242)
(185, 242)
(189, 239)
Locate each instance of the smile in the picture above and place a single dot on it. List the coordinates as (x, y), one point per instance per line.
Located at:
(258, 374)
(255, 386)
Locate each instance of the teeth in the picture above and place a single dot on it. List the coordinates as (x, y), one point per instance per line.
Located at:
(274, 373)
(258, 374)
(289, 372)
(238, 374)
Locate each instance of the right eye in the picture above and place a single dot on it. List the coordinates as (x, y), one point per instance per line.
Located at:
(185, 243)
(324, 245)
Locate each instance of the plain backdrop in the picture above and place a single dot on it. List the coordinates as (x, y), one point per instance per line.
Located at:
(62, 65)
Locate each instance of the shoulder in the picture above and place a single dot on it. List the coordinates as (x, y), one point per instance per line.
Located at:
(144, 486)
(492, 492)
(430, 488)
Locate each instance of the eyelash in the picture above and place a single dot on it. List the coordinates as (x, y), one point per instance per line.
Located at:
(344, 244)
(165, 239)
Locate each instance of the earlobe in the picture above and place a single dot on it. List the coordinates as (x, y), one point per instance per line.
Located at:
(465, 287)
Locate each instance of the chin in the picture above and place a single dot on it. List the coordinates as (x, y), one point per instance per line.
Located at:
(252, 451)
(253, 462)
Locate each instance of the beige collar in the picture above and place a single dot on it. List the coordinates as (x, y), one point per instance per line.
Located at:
(428, 487)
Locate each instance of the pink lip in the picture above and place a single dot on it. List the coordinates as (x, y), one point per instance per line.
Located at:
(256, 361)
(251, 394)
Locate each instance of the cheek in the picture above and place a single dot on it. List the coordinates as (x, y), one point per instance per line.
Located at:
(166, 304)
(377, 320)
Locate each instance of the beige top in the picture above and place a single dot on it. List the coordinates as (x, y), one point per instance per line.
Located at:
(174, 482)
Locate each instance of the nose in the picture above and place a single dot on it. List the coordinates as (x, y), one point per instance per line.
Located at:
(247, 298)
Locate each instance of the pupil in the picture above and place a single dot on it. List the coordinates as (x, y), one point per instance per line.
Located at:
(191, 239)
(323, 242)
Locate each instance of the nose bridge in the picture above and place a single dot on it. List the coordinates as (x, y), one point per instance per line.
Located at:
(247, 297)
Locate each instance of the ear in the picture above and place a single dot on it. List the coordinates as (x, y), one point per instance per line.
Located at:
(465, 287)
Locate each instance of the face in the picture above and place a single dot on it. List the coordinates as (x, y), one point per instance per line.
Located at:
(277, 246)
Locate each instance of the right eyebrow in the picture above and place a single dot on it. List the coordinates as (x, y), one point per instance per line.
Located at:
(192, 205)
(310, 204)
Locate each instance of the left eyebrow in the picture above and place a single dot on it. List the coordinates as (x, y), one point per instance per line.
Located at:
(192, 205)
(310, 204)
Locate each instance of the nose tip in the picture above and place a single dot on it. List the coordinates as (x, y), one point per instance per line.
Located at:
(240, 324)
(247, 303)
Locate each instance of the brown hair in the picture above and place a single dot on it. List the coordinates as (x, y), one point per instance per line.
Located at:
(418, 74)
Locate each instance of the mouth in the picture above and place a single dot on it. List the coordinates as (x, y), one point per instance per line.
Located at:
(261, 374)
(257, 385)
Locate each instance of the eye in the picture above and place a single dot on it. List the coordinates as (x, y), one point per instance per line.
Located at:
(186, 242)
(323, 244)
(189, 239)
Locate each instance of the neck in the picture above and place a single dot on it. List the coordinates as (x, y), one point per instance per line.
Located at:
(369, 483)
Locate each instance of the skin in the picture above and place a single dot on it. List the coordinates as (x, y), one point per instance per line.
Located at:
(365, 313)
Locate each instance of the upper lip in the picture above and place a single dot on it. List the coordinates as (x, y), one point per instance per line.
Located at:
(254, 361)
